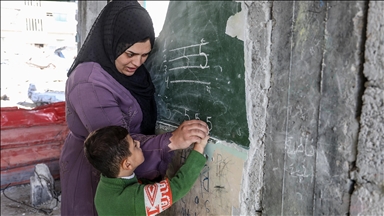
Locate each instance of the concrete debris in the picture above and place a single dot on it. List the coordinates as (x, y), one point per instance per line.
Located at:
(42, 187)
(45, 96)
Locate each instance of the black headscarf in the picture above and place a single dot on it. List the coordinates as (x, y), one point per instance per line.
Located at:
(120, 25)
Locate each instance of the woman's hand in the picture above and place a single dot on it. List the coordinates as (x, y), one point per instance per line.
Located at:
(187, 133)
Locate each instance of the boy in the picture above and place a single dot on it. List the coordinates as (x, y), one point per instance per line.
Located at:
(112, 151)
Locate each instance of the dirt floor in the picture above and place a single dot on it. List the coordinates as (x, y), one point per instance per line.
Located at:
(16, 200)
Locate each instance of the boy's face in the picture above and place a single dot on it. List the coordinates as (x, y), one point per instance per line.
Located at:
(137, 156)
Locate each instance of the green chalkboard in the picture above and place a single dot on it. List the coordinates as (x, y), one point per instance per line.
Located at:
(198, 70)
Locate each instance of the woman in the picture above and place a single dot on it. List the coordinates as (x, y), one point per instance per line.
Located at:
(109, 85)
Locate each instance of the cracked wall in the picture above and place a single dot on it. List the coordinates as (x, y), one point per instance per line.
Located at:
(323, 139)
(368, 196)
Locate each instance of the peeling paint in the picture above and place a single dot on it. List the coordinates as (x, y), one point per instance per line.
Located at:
(235, 25)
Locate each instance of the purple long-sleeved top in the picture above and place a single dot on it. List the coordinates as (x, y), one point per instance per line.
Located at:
(94, 99)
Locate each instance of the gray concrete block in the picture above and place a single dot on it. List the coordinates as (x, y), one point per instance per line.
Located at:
(42, 184)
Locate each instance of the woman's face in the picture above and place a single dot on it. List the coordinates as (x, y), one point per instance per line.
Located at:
(133, 57)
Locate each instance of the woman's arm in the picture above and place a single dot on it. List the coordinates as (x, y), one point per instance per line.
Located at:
(96, 107)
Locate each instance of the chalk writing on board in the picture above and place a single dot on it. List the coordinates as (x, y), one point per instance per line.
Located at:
(202, 194)
(203, 185)
(194, 81)
(204, 179)
(190, 81)
(181, 58)
(303, 148)
(184, 114)
(221, 164)
(198, 66)
(299, 171)
(298, 153)
(182, 54)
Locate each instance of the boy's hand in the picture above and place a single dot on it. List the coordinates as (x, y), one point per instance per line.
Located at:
(200, 146)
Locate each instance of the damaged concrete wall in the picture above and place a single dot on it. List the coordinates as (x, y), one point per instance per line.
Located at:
(322, 149)
(311, 123)
(368, 195)
(257, 51)
(315, 109)
(87, 13)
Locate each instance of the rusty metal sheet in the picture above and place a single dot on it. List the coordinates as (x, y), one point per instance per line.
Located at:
(29, 137)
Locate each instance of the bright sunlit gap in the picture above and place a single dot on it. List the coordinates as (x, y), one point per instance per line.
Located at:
(38, 45)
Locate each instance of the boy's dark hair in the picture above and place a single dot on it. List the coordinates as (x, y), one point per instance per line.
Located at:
(106, 148)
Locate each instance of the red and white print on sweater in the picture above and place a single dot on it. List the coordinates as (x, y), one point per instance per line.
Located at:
(158, 197)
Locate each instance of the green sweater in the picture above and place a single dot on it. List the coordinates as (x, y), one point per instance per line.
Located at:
(117, 196)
